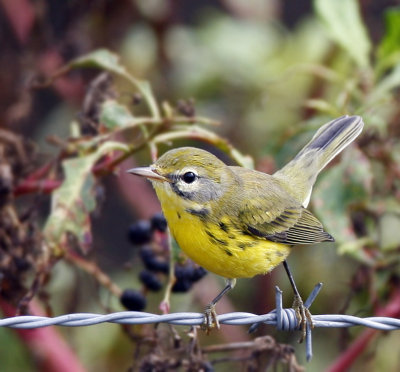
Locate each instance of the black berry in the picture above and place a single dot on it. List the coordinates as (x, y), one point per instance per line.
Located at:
(158, 222)
(150, 280)
(22, 264)
(198, 273)
(133, 300)
(207, 367)
(183, 272)
(152, 263)
(182, 285)
(140, 232)
(183, 279)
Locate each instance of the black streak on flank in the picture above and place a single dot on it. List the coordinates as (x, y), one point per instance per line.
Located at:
(223, 227)
(202, 213)
(214, 239)
(178, 214)
(242, 246)
(228, 252)
(245, 232)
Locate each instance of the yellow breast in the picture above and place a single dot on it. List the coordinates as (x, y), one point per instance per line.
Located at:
(218, 246)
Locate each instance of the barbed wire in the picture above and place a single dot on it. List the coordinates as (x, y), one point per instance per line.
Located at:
(281, 318)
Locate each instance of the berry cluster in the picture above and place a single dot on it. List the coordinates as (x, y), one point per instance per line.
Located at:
(141, 232)
(156, 264)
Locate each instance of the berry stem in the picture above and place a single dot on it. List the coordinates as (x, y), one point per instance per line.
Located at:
(165, 303)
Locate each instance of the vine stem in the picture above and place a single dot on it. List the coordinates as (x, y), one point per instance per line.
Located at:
(49, 349)
(346, 359)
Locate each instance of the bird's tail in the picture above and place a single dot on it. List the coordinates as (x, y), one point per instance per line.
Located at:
(300, 174)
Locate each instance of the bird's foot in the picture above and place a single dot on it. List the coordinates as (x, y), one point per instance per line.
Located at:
(303, 316)
(210, 319)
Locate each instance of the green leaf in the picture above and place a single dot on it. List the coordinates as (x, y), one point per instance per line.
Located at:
(390, 44)
(73, 201)
(389, 231)
(245, 161)
(101, 58)
(355, 249)
(343, 22)
(114, 115)
(350, 182)
(386, 85)
(322, 106)
(199, 133)
(106, 60)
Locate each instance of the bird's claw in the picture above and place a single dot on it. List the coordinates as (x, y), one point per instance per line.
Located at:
(210, 319)
(303, 316)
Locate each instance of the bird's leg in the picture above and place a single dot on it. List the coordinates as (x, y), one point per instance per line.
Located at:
(302, 313)
(210, 315)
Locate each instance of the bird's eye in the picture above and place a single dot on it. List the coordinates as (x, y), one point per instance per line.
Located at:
(189, 177)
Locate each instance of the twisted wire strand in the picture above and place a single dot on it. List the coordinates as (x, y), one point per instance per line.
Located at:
(282, 319)
(194, 319)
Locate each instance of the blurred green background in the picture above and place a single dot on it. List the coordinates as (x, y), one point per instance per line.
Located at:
(271, 72)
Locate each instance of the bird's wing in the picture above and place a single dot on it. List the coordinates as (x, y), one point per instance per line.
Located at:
(266, 210)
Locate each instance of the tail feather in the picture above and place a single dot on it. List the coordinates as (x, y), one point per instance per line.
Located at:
(300, 174)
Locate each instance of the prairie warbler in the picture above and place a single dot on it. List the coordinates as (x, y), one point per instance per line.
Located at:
(238, 222)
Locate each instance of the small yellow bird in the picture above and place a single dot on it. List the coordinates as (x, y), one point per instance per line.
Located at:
(237, 222)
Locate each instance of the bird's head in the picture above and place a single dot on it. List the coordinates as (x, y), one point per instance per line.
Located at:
(190, 173)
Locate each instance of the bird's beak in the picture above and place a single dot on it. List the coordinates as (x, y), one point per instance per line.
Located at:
(148, 173)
